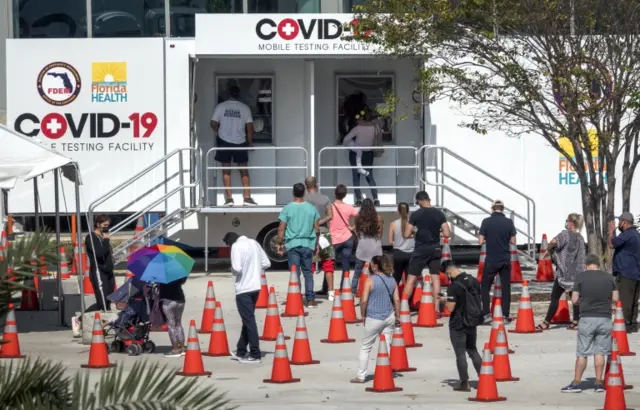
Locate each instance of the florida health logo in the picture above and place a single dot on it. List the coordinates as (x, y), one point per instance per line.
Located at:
(566, 174)
(108, 82)
(59, 83)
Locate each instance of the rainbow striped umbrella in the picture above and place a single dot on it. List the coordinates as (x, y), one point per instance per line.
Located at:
(160, 264)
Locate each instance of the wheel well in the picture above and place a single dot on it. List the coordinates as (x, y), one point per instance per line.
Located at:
(275, 264)
(264, 231)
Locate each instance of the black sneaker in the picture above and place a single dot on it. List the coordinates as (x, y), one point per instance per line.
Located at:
(236, 356)
(358, 202)
(249, 202)
(572, 388)
(228, 202)
(376, 202)
(598, 388)
(250, 360)
(507, 321)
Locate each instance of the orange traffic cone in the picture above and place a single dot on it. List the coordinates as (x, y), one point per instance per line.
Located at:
(487, 386)
(445, 257)
(620, 332)
(281, 371)
(524, 321)
(615, 357)
(383, 376)
(348, 305)
(516, 269)
(3, 246)
(497, 292)
(29, 300)
(294, 297)
(193, 365)
(399, 359)
(64, 265)
(209, 311)
(501, 364)
(137, 235)
(128, 274)
(427, 312)
(263, 297)
(272, 321)
(401, 284)
(87, 286)
(614, 390)
(218, 344)
(98, 353)
(10, 346)
(545, 266)
(445, 311)
(483, 257)
(417, 294)
(407, 326)
(44, 269)
(337, 325)
(75, 262)
(363, 278)
(496, 321)
(562, 313)
(301, 349)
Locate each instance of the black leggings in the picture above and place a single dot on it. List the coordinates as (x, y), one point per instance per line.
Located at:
(556, 292)
(400, 264)
(102, 287)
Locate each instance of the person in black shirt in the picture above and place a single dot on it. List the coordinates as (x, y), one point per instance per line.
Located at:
(100, 257)
(463, 338)
(498, 232)
(426, 224)
(172, 297)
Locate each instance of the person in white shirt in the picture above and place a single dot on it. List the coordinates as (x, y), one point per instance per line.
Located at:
(233, 123)
(248, 261)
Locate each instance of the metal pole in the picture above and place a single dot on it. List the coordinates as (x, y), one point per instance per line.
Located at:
(181, 180)
(80, 260)
(36, 203)
(312, 116)
(89, 11)
(206, 244)
(167, 18)
(56, 187)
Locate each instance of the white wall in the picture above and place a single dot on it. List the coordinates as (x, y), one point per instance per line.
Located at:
(5, 33)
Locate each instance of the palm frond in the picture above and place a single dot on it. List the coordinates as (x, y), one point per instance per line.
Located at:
(33, 384)
(146, 386)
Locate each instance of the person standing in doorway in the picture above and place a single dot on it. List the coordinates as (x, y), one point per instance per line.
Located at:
(428, 224)
(233, 123)
(325, 253)
(100, 255)
(626, 266)
(402, 247)
(498, 233)
(342, 229)
(248, 261)
(298, 232)
(463, 328)
(594, 291)
(568, 252)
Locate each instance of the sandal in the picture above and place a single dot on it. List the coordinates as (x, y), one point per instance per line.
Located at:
(543, 326)
(573, 326)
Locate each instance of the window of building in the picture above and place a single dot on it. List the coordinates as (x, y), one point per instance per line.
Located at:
(283, 6)
(257, 92)
(127, 18)
(349, 5)
(49, 18)
(183, 13)
(356, 92)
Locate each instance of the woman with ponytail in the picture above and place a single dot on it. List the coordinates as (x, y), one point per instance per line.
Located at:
(402, 247)
(568, 253)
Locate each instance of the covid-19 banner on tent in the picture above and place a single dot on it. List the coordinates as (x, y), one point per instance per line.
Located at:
(97, 101)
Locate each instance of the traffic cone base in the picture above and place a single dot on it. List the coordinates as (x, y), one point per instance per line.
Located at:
(436, 325)
(292, 380)
(305, 363)
(413, 345)
(182, 373)
(337, 341)
(390, 390)
(288, 315)
(272, 339)
(489, 400)
(88, 366)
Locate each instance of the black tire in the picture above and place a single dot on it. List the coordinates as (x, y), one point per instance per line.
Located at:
(133, 349)
(149, 347)
(117, 346)
(266, 239)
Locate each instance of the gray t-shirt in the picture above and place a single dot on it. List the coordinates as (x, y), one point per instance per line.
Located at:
(595, 287)
(321, 202)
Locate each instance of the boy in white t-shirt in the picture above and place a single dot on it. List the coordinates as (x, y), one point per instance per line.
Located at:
(233, 123)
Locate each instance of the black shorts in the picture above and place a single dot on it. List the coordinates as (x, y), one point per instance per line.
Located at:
(228, 156)
(425, 258)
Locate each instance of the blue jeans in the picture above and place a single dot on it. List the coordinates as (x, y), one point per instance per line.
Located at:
(344, 251)
(356, 275)
(367, 162)
(246, 303)
(302, 259)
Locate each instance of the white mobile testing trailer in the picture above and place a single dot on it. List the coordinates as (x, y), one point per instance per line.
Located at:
(135, 114)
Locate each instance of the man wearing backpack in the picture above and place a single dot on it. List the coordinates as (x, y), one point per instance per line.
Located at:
(465, 304)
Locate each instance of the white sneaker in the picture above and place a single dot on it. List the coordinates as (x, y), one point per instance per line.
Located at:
(363, 171)
(332, 295)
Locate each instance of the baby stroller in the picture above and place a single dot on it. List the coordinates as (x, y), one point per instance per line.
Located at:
(129, 332)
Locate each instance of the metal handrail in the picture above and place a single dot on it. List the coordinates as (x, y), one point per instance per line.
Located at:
(209, 159)
(138, 176)
(396, 166)
(530, 218)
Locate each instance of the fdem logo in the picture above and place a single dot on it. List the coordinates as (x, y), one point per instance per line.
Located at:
(59, 83)
(108, 82)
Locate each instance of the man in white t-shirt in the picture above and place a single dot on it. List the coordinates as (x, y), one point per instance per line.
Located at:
(233, 124)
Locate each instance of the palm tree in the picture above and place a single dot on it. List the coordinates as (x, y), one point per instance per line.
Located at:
(43, 384)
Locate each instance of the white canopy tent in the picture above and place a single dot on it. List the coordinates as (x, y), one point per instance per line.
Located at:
(25, 158)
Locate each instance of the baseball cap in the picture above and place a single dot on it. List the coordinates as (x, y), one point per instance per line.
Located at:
(497, 203)
(626, 216)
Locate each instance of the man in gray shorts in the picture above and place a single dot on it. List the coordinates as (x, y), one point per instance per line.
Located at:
(594, 291)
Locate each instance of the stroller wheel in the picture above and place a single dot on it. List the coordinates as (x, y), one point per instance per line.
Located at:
(116, 346)
(149, 347)
(134, 350)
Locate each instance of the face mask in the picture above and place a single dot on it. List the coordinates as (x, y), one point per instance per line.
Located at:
(621, 228)
(105, 229)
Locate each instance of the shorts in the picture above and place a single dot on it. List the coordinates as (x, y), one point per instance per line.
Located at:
(240, 156)
(594, 336)
(327, 266)
(425, 258)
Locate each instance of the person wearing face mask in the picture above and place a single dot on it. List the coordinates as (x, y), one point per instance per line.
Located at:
(100, 256)
(626, 266)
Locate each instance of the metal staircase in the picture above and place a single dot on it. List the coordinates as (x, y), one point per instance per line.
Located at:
(189, 202)
(433, 158)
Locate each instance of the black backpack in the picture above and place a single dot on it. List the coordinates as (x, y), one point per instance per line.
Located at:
(472, 315)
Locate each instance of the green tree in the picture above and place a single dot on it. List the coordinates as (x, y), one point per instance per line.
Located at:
(552, 68)
(43, 384)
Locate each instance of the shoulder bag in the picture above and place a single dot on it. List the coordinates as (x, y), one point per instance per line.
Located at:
(353, 234)
(378, 142)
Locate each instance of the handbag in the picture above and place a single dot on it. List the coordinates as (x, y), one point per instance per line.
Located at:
(377, 153)
(353, 234)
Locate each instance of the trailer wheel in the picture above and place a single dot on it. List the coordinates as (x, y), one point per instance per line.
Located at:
(267, 239)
